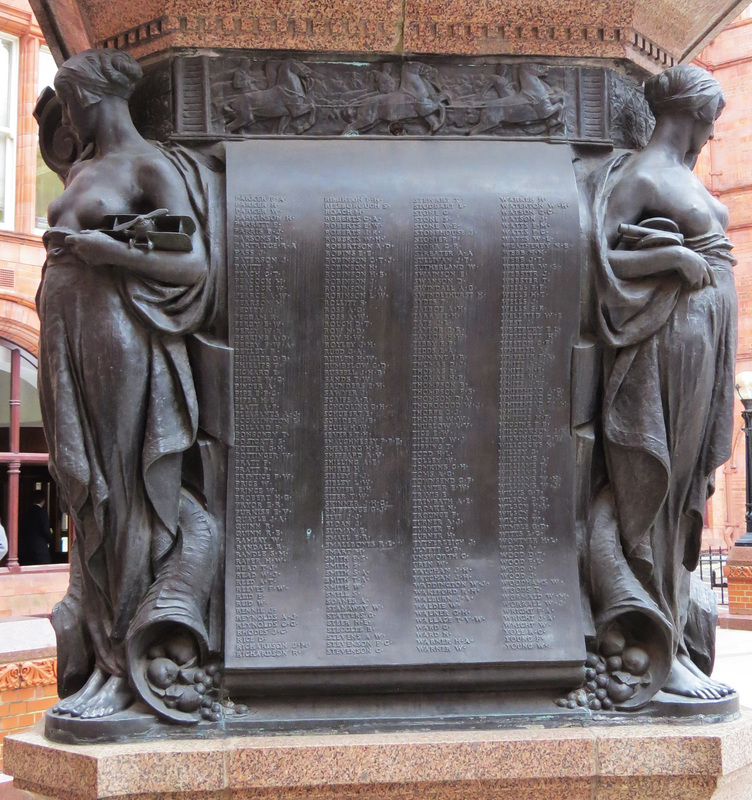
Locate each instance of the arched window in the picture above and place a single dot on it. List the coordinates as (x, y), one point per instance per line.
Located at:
(23, 451)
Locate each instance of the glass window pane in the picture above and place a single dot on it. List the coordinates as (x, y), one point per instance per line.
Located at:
(49, 186)
(47, 70)
(3, 188)
(4, 406)
(6, 52)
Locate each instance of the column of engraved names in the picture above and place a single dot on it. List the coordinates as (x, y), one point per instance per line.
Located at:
(527, 335)
(261, 496)
(354, 242)
(441, 402)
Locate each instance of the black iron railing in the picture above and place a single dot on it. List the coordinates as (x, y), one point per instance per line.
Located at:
(712, 562)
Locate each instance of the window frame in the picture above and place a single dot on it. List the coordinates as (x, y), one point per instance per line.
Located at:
(43, 48)
(11, 133)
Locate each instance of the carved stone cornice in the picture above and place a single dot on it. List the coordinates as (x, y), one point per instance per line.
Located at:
(18, 22)
(649, 34)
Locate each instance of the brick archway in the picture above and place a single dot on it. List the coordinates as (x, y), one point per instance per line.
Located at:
(19, 330)
(19, 322)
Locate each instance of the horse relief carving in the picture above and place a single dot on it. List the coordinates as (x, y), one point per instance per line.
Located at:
(410, 98)
(525, 101)
(416, 97)
(285, 98)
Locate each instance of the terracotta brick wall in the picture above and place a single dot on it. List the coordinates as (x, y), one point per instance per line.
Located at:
(739, 589)
(32, 592)
(24, 254)
(27, 690)
(21, 260)
(738, 572)
(28, 686)
(726, 169)
(21, 251)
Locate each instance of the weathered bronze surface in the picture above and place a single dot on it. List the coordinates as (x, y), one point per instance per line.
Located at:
(200, 98)
(118, 302)
(457, 457)
(666, 314)
(402, 317)
(233, 96)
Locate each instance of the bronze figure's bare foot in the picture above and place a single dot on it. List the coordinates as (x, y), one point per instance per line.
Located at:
(82, 696)
(685, 683)
(116, 695)
(723, 688)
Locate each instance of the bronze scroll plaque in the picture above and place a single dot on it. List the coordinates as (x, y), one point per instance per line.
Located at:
(403, 314)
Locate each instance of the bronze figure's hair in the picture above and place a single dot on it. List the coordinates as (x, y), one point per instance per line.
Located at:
(685, 89)
(96, 73)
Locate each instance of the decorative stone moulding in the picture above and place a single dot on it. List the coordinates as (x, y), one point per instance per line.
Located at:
(739, 572)
(38, 673)
(10, 676)
(652, 35)
(26, 674)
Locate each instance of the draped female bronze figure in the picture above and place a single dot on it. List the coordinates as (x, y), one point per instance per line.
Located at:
(117, 393)
(666, 311)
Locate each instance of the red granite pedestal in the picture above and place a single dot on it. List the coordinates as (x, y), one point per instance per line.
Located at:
(631, 762)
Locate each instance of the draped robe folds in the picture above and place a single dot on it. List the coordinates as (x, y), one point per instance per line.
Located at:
(119, 409)
(667, 419)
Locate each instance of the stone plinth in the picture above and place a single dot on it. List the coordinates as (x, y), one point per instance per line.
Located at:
(28, 674)
(738, 622)
(670, 762)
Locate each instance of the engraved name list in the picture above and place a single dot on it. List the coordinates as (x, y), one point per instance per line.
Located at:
(402, 476)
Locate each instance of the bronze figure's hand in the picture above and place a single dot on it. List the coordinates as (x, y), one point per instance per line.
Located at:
(694, 269)
(92, 247)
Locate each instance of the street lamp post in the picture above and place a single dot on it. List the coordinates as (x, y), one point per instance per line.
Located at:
(744, 390)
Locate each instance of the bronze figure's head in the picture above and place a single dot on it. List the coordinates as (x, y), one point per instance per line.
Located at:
(87, 78)
(685, 89)
(691, 95)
